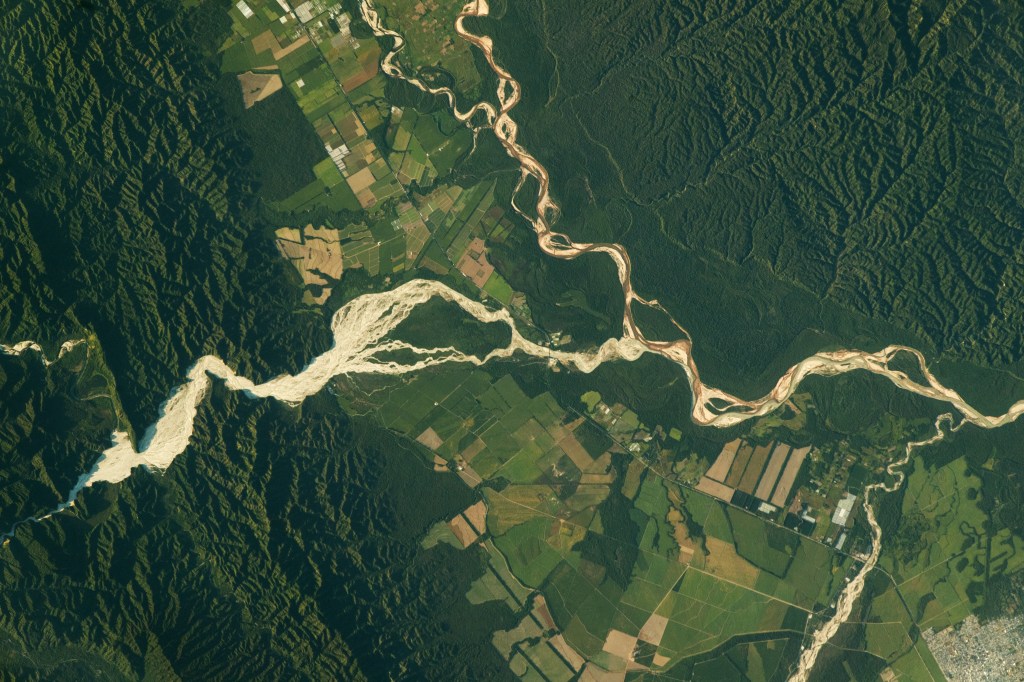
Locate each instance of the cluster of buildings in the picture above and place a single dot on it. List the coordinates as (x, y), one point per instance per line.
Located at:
(766, 480)
(975, 651)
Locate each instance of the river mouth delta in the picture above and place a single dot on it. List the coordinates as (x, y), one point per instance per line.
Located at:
(605, 512)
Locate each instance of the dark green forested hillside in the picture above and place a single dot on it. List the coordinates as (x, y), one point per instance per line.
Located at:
(132, 209)
(775, 167)
(284, 545)
(787, 175)
(287, 546)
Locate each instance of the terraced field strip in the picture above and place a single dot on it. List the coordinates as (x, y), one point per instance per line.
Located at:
(720, 469)
(796, 460)
(739, 465)
(771, 474)
(754, 468)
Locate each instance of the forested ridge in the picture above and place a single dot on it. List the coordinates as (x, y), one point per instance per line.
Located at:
(850, 169)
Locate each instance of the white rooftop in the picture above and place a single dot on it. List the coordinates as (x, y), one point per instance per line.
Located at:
(843, 510)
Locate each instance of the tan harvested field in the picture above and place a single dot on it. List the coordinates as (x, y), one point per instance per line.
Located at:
(723, 561)
(463, 531)
(316, 253)
(360, 181)
(568, 653)
(576, 452)
(291, 234)
(602, 463)
(796, 458)
(324, 254)
(543, 613)
(654, 629)
(352, 131)
(739, 465)
(474, 264)
(593, 673)
(440, 464)
(429, 438)
(477, 516)
(754, 468)
(620, 644)
(322, 233)
(368, 59)
(771, 474)
(268, 41)
(367, 199)
(720, 469)
(575, 423)
(556, 431)
(715, 489)
(265, 41)
(256, 87)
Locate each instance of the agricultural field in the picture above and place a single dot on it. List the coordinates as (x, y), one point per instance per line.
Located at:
(333, 75)
(317, 256)
(385, 160)
(944, 552)
(216, 180)
(419, 150)
(764, 659)
(949, 554)
(880, 641)
(686, 592)
(433, 50)
(462, 223)
(638, 571)
(324, 67)
(141, 214)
